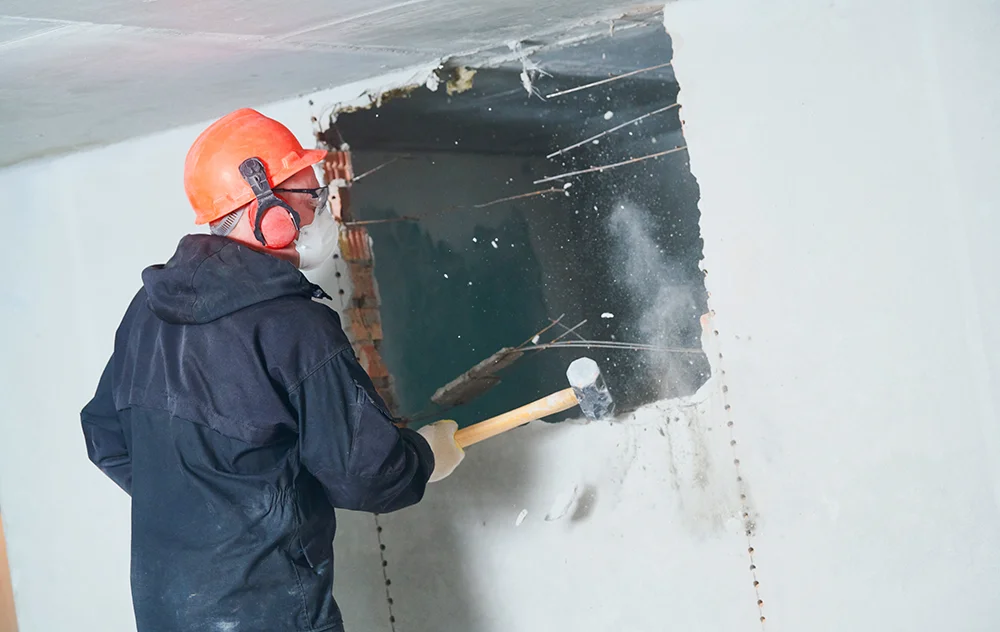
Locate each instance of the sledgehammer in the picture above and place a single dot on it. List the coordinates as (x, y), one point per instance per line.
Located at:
(587, 389)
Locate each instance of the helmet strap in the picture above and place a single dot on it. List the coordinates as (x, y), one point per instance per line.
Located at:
(252, 171)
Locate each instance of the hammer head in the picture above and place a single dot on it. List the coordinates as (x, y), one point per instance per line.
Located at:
(585, 377)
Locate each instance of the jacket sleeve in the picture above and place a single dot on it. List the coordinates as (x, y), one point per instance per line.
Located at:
(348, 441)
(102, 429)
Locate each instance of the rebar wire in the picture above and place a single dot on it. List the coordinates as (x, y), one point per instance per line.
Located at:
(571, 331)
(608, 80)
(453, 209)
(613, 129)
(552, 323)
(381, 166)
(568, 332)
(611, 166)
(366, 222)
(517, 197)
(610, 344)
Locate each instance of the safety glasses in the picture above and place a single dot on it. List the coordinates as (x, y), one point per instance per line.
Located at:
(320, 196)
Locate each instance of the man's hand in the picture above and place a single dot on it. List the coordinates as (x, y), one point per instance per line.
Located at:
(447, 453)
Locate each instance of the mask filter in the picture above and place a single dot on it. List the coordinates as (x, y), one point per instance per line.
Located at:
(318, 241)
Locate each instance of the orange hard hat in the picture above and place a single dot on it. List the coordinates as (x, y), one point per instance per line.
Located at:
(212, 177)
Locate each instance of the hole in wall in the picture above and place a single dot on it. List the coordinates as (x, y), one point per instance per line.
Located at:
(504, 244)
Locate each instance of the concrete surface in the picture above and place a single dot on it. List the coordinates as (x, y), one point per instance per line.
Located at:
(80, 74)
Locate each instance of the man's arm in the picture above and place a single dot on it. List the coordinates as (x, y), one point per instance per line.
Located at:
(347, 440)
(102, 429)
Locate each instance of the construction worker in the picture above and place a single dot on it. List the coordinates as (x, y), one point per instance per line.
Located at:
(233, 410)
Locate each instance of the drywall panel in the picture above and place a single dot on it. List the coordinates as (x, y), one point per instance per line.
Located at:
(847, 156)
(627, 525)
(87, 225)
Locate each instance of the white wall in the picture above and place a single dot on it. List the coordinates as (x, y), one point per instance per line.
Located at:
(847, 157)
(80, 229)
(850, 214)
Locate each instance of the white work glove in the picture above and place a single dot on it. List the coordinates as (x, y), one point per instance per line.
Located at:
(447, 453)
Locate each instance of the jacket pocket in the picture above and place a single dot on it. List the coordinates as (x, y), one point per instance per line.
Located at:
(316, 548)
(317, 526)
(364, 398)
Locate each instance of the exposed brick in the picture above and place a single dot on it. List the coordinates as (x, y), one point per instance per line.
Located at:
(363, 323)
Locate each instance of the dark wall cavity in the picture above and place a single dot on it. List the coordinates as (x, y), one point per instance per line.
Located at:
(619, 248)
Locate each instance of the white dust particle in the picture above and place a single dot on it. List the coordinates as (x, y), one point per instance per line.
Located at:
(608, 115)
(520, 517)
(607, 315)
(446, 276)
(535, 340)
(561, 504)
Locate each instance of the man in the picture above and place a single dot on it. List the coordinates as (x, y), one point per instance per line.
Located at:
(234, 411)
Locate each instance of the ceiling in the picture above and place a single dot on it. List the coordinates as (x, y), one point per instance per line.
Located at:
(82, 73)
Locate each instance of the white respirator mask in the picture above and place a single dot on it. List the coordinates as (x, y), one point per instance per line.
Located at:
(317, 241)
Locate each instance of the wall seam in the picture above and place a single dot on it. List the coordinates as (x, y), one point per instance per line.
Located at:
(385, 573)
(749, 524)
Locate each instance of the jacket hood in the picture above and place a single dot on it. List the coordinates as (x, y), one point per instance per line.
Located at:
(210, 277)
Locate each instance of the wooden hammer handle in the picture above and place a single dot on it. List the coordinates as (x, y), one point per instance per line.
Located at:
(554, 403)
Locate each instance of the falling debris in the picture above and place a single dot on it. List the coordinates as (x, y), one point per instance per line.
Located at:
(561, 504)
(475, 241)
(520, 517)
(604, 315)
(535, 339)
(446, 276)
(433, 82)
(460, 81)
(530, 71)
(608, 115)
(494, 243)
(476, 380)
(567, 185)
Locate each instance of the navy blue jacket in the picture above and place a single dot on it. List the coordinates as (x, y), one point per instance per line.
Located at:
(235, 414)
